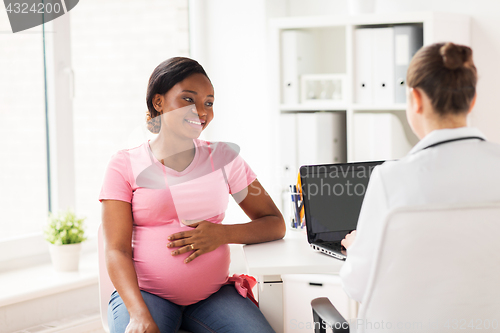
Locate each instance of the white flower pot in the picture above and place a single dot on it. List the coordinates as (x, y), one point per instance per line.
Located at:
(66, 257)
(361, 6)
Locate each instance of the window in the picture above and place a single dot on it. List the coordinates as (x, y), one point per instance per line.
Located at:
(113, 50)
(23, 162)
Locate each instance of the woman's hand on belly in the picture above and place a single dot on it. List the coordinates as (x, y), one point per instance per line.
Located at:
(203, 238)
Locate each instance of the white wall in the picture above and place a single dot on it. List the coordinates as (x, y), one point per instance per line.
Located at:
(231, 45)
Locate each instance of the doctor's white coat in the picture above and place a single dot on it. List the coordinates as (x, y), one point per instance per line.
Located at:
(460, 171)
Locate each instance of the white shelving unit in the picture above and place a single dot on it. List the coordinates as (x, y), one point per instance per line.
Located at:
(331, 48)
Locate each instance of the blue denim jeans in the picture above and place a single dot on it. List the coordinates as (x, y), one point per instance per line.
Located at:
(224, 311)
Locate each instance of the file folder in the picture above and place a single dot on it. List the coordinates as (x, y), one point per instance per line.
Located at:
(363, 68)
(321, 138)
(296, 59)
(374, 65)
(408, 39)
(380, 136)
(288, 148)
(307, 139)
(383, 65)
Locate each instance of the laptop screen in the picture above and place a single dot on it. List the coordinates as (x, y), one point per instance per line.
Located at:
(333, 194)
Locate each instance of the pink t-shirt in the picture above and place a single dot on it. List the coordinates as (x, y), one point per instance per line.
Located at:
(161, 197)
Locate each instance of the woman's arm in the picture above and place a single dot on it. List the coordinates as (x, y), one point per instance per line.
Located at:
(117, 229)
(267, 224)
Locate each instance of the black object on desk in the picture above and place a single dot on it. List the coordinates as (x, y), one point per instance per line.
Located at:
(332, 195)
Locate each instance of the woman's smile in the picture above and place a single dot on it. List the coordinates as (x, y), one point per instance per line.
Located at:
(197, 124)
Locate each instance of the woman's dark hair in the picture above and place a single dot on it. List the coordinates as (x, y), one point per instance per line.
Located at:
(164, 77)
(446, 73)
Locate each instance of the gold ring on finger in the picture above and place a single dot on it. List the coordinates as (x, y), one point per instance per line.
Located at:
(191, 246)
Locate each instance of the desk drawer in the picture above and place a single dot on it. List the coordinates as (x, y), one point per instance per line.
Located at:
(298, 292)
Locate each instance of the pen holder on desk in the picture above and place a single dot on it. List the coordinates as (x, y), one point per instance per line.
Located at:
(297, 208)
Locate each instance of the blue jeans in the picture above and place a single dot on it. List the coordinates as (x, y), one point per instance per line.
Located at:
(223, 311)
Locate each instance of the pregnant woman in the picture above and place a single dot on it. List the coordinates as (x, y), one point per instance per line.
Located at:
(163, 202)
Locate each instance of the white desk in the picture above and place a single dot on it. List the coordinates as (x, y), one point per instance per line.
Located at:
(290, 255)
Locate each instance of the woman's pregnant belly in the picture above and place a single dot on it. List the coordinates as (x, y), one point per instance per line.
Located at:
(167, 276)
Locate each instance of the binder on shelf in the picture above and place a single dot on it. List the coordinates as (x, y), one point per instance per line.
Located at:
(379, 136)
(383, 65)
(363, 67)
(333, 123)
(381, 59)
(307, 139)
(288, 148)
(321, 138)
(296, 59)
(408, 39)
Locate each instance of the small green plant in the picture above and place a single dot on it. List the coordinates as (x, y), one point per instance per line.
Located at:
(65, 228)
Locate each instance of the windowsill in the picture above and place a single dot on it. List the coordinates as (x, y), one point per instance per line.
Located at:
(33, 282)
(31, 250)
(21, 285)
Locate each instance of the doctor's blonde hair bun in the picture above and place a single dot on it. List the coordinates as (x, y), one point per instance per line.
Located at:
(455, 56)
(447, 75)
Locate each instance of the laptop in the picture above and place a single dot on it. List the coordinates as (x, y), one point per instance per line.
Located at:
(332, 196)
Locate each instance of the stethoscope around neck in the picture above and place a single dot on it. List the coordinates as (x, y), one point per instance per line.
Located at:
(453, 140)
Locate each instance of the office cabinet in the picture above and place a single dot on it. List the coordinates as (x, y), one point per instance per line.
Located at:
(371, 53)
(298, 292)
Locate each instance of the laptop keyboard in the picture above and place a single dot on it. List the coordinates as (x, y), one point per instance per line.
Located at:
(331, 245)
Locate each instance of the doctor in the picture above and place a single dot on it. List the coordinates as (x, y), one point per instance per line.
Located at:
(452, 163)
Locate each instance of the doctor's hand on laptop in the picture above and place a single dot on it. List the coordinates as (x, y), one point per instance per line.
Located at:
(349, 239)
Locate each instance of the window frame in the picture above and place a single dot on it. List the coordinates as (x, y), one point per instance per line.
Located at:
(31, 249)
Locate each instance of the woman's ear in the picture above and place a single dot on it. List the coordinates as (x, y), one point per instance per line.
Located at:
(414, 111)
(416, 99)
(158, 102)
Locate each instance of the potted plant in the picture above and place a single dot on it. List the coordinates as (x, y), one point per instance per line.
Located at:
(65, 233)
